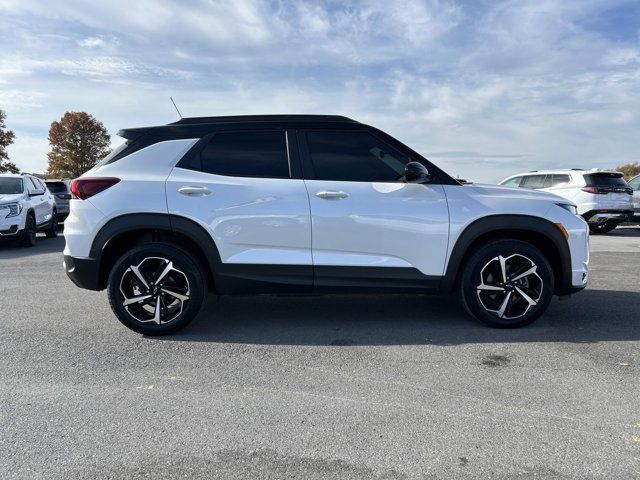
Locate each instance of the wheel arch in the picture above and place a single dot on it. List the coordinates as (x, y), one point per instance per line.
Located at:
(126, 231)
(536, 231)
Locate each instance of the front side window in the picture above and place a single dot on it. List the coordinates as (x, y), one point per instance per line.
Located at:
(32, 185)
(533, 181)
(246, 154)
(354, 157)
(635, 183)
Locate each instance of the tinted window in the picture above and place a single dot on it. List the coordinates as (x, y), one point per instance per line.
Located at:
(559, 180)
(354, 156)
(246, 154)
(635, 183)
(605, 179)
(514, 182)
(56, 187)
(533, 181)
(10, 186)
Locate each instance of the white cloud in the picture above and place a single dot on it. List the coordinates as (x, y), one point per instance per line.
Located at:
(501, 86)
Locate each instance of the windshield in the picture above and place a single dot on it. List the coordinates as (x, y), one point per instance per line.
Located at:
(10, 186)
(605, 179)
(57, 187)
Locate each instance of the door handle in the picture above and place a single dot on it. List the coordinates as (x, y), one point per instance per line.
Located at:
(331, 194)
(191, 191)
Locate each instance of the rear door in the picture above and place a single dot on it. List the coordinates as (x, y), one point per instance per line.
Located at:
(368, 225)
(239, 185)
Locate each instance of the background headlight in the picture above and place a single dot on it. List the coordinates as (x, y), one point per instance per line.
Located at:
(14, 209)
(569, 207)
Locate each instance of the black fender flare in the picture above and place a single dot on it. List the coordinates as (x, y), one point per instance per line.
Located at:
(497, 224)
(157, 221)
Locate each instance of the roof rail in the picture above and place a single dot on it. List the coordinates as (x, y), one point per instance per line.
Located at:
(263, 118)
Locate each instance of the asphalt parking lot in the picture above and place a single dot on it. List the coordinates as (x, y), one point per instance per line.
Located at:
(331, 387)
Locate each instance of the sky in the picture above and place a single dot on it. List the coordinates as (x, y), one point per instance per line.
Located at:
(484, 89)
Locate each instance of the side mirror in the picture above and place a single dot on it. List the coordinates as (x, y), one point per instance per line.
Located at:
(35, 193)
(415, 172)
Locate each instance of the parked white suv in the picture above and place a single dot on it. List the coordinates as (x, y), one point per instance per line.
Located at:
(603, 198)
(26, 207)
(304, 204)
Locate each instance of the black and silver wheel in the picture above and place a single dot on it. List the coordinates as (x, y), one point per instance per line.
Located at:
(156, 289)
(507, 283)
(27, 237)
(52, 231)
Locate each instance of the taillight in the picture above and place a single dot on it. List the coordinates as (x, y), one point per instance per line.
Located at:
(594, 190)
(83, 188)
(63, 196)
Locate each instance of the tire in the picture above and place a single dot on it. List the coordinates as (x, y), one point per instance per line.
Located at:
(27, 237)
(605, 227)
(181, 290)
(52, 231)
(515, 302)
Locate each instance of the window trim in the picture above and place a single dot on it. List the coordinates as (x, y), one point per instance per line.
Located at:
(191, 159)
(309, 172)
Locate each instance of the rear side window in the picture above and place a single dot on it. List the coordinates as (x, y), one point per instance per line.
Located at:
(533, 181)
(355, 157)
(605, 179)
(514, 182)
(246, 154)
(557, 180)
(56, 187)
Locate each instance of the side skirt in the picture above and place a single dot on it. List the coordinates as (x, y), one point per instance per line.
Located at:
(237, 279)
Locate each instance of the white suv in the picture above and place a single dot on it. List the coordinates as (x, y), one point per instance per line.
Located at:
(603, 198)
(26, 207)
(308, 204)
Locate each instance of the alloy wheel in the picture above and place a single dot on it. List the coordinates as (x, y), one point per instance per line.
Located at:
(509, 286)
(154, 291)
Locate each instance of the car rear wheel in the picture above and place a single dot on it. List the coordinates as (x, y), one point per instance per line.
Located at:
(27, 237)
(156, 289)
(604, 227)
(507, 284)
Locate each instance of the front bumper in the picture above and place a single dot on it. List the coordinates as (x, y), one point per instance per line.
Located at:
(84, 272)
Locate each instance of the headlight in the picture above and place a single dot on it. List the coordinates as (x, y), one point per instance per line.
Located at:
(14, 209)
(569, 207)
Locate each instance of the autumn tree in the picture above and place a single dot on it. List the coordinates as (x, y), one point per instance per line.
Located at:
(77, 142)
(629, 170)
(6, 139)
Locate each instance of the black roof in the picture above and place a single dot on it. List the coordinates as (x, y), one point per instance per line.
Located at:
(263, 118)
(199, 126)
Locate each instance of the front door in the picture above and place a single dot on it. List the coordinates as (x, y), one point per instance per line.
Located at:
(238, 185)
(370, 227)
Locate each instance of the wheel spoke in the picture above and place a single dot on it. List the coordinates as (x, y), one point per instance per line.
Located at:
(491, 288)
(139, 299)
(528, 299)
(503, 267)
(137, 273)
(525, 274)
(166, 270)
(504, 305)
(179, 296)
(156, 315)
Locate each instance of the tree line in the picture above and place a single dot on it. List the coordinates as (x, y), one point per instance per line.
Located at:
(78, 141)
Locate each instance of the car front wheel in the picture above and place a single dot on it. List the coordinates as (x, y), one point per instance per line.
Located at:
(156, 289)
(506, 284)
(27, 238)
